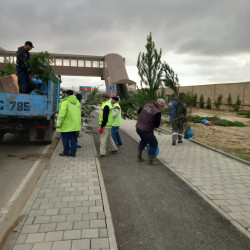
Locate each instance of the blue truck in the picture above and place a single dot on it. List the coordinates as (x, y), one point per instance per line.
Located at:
(35, 114)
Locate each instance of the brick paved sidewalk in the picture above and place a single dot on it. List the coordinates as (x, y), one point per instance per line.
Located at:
(71, 209)
(220, 180)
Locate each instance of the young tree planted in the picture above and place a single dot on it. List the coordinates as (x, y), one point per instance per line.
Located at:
(237, 104)
(208, 105)
(201, 103)
(229, 101)
(195, 100)
(218, 102)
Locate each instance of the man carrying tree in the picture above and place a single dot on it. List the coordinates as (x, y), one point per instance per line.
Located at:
(22, 66)
(149, 119)
(177, 114)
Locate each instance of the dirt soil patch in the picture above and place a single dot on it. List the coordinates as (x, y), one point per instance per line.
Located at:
(234, 140)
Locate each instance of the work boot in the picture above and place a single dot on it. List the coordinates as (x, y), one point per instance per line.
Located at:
(62, 154)
(139, 156)
(100, 156)
(173, 143)
(151, 160)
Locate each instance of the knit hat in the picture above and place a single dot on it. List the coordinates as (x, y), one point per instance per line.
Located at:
(161, 102)
(107, 96)
(69, 92)
(116, 98)
(79, 97)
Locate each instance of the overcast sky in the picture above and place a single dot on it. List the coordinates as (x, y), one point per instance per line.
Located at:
(203, 41)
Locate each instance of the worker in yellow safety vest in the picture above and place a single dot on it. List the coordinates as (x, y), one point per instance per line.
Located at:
(105, 125)
(117, 121)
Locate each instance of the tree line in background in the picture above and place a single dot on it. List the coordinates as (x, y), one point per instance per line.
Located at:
(191, 100)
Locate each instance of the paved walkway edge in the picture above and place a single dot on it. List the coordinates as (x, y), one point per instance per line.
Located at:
(22, 217)
(110, 226)
(226, 216)
(25, 212)
(210, 147)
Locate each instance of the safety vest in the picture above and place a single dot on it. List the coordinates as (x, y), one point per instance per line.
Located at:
(117, 120)
(69, 116)
(110, 117)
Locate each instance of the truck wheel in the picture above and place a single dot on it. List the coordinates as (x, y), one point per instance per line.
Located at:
(55, 121)
(49, 132)
(1, 136)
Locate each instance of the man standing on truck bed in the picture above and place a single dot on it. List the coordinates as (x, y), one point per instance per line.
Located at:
(22, 66)
(69, 122)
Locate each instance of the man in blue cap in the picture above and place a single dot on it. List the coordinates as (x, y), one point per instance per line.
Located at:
(22, 66)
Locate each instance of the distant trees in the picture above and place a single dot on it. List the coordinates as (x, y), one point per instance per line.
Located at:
(208, 105)
(229, 101)
(218, 101)
(201, 103)
(237, 104)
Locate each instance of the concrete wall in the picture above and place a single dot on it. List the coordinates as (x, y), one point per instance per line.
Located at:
(214, 90)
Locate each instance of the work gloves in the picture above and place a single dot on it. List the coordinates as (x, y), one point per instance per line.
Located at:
(100, 130)
(185, 118)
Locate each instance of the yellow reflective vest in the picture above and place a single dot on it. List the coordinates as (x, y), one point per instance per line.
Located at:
(110, 116)
(117, 121)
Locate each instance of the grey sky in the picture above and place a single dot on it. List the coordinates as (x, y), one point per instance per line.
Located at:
(203, 41)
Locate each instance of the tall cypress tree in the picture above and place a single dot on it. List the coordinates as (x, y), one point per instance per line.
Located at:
(150, 71)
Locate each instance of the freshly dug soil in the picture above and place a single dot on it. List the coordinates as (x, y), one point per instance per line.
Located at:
(234, 140)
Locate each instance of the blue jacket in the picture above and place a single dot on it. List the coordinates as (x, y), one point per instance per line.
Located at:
(177, 109)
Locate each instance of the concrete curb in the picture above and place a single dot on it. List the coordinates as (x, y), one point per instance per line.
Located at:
(161, 130)
(110, 226)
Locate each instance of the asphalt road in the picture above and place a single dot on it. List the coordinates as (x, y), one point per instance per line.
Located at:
(153, 209)
(21, 165)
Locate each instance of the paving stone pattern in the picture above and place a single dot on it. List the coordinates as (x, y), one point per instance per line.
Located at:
(223, 180)
(68, 212)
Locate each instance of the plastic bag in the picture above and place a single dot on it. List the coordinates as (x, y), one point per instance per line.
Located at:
(156, 152)
(189, 133)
